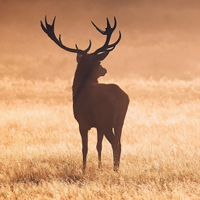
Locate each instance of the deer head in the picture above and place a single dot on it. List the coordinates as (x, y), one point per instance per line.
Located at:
(82, 55)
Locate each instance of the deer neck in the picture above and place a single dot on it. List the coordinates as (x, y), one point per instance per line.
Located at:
(82, 79)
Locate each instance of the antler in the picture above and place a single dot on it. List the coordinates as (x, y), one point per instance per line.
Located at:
(108, 32)
(49, 30)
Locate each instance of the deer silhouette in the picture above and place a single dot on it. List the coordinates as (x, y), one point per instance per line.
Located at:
(102, 106)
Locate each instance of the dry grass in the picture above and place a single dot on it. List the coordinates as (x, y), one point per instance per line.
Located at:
(40, 147)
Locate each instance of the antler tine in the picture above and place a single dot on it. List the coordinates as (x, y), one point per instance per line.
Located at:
(108, 32)
(108, 28)
(108, 24)
(42, 25)
(48, 25)
(86, 50)
(112, 46)
(115, 23)
(98, 29)
(49, 30)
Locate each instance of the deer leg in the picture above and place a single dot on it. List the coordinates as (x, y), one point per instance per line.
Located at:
(118, 131)
(117, 155)
(84, 136)
(116, 146)
(99, 146)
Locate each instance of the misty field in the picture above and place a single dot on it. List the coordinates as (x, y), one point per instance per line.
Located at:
(40, 146)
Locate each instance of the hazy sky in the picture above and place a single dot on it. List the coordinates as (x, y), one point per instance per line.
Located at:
(154, 33)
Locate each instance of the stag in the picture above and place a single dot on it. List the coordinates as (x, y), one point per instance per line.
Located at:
(102, 106)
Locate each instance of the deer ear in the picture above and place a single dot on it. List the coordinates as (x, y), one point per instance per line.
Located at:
(78, 57)
(102, 56)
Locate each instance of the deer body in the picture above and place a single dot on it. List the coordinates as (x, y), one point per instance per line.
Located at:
(102, 106)
(99, 105)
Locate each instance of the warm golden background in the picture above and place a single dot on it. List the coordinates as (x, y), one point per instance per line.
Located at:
(157, 63)
(159, 38)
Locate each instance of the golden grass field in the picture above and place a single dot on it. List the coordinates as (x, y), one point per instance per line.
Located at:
(40, 146)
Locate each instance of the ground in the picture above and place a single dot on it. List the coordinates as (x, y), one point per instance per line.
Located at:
(40, 146)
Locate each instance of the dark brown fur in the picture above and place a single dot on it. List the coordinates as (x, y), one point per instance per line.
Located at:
(102, 106)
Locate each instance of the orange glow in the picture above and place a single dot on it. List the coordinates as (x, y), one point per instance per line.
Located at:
(158, 39)
(156, 63)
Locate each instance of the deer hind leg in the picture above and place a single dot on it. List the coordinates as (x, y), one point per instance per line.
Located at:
(84, 136)
(99, 146)
(118, 125)
(116, 146)
(118, 131)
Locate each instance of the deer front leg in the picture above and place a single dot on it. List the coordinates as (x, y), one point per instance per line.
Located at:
(99, 146)
(84, 136)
